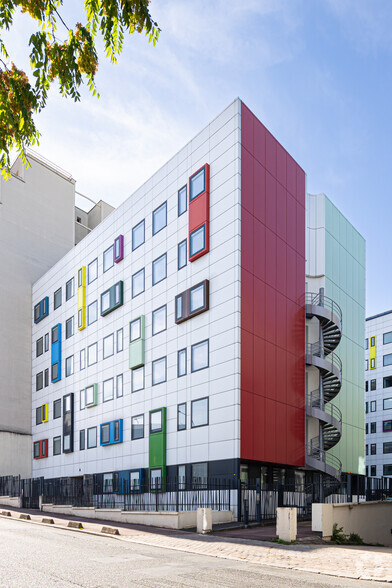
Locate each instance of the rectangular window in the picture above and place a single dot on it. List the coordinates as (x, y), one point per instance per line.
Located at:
(69, 366)
(80, 319)
(82, 399)
(57, 409)
(69, 289)
(179, 307)
(373, 427)
(387, 447)
(92, 354)
(37, 449)
(181, 475)
(192, 301)
(197, 240)
(197, 184)
(55, 334)
(199, 413)
(108, 390)
(120, 340)
(82, 359)
(373, 406)
(367, 428)
(105, 433)
(108, 258)
(138, 283)
(373, 470)
(372, 363)
(116, 433)
(387, 426)
(366, 365)
(367, 386)
(372, 384)
(82, 440)
(105, 302)
(387, 338)
(181, 416)
(38, 415)
(366, 407)
(137, 379)
(159, 219)
(92, 312)
(108, 346)
(387, 469)
(69, 327)
(138, 235)
(387, 359)
(55, 372)
(200, 356)
(46, 342)
(39, 347)
(159, 320)
(135, 329)
(159, 269)
(197, 298)
(182, 201)
(118, 248)
(39, 381)
(57, 299)
(91, 437)
(91, 395)
(159, 371)
(182, 254)
(134, 481)
(137, 427)
(156, 421)
(387, 403)
(56, 445)
(119, 386)
(41, 310)
(372, 341)
(92, 271)
(156, 479)
(366, 449)
(387, 382)
(46, 377)
(366, 343)
(181, 363)
(80, 277)
(373, 449)
(199, 474)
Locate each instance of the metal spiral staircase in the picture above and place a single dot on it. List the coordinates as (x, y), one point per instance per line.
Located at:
(318, 402)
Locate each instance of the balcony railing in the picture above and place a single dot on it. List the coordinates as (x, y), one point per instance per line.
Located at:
(325, 302)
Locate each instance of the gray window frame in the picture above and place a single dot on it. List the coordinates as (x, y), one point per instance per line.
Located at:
(39, 347)
(181, 428)
(154, 332)
(155, 361)
(56, 404)
(182, 352)
(58, 440)
(142, 222)
(180, 196)
(133, 437)
(208, 356)
(69, 321)
(155, 231)
(156, 261)
(182, 244)
(141, 271)
(95, 262)
(88, 440)
(193, 402)
(56, 305)
(103, 258)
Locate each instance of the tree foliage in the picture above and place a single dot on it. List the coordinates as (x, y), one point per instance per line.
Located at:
(61, 53)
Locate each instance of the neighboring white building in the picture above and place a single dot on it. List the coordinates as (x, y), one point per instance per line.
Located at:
(378, 394)
(37, 227)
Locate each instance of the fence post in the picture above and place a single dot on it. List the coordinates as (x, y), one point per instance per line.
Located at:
(349, 491)
(246, 518)
(258, 500)
(239, 498)
(280, 494)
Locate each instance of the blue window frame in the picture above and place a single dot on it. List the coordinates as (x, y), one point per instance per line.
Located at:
(111, 432)
(138, 283)
(41, 310)
(182, 201)
(197, 184)
(138, 235)
(159, 218)
(181, 255)
(197, 240)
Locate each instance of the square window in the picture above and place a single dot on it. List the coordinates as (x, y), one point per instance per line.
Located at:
(156, 479)
(46, 341)
(197, 240)
(105, 433)
(199, 474)
(373, 449)
(159, 320)
(46, 375)
(159, 371)
(56, 445)
(108, 258)
(55, 371)
(105, 301)
(373, 470)
(387, 382)
(57, 299)
(69, 327)
(387, 426)
(181, 255)
(92, 354)
(372, 384)
(159, 219)
(55, 334)
(387, 403)
(82, 359)
(108, 392)
(135, 329)
(179, 307)
(387, 469)
(119, 386)
(159, 269)
(120, 340)
(197, 184)
(373, 406)
(138, 235)
(137, 427)
(90, 396)
(138, 283)
(181, 363)
(137, 379)
(200, 356)
(57, 409)
(69, 289)
(181, 417)
(82, 440)
(92, 271)
(373, 427)
(197, 298)
(39, 347)
(156, 421)
(108, 346)
(199, 412)
(92, 312)
(91, 437)
(69, 366)
(387, 447)
(182, 201)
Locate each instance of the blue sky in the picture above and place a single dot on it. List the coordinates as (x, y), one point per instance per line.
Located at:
(316, 72)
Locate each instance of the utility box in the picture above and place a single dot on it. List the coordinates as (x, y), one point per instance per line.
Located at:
(204, 520)
(286, 523)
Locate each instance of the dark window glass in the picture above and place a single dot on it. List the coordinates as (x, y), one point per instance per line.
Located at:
(366, 386)
(181, 416)
(55, 371)
(105, 433)
(372, 384)
(39, 381)
(116, 430)
(373, 449)
(387, 382)
(57, 409)
(138, 235)
(38, 415)
(46, 375)
(37, 311)
(182, 201)
(69, 289)
(39, 346)
(55, 334)
(387, 426)
(387, 447)
(199, 474)
(372, 341)
(82, 440)
(373, 470)
(366, 343)
(367, 428)
(373, 427)
(69, 327)
(56, 445)
(387, 469)
(57, 299)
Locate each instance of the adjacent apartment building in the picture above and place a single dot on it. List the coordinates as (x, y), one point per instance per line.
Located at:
(378, 394)
(170, 343)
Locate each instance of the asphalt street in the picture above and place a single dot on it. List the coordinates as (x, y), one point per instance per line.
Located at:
(39, 556)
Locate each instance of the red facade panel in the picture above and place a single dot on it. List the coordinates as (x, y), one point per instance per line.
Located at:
(272, 296)
(199, 212)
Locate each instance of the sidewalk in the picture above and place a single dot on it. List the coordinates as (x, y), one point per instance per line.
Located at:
(366, 563)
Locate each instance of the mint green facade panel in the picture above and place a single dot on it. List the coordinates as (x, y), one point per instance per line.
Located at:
(345, 283)
(136, 354)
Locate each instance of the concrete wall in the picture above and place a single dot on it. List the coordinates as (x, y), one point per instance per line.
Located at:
(13, 501)
(36, 230)
(167, 520)
(371, 520)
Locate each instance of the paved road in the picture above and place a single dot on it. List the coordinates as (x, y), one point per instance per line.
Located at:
(38, 556)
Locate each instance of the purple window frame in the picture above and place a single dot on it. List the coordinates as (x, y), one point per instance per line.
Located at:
(120, 256)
